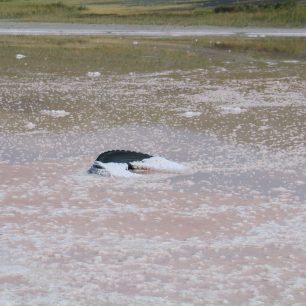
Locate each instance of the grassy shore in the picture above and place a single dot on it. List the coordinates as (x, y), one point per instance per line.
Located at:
(167, 12)
(287, 46)
(175, 69)
(293, 47)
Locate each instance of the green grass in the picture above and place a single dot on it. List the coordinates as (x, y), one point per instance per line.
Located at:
(274, 46)
(36, 10)
(115, 55)
(167, 12)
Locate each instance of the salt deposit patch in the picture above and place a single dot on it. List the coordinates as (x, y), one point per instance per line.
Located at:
(291, 62)
(30, 125)
(190, 114)
(2, 195)
(55, 113)
(20, 56)
(93, 74)
(232, 110)
(250, 93)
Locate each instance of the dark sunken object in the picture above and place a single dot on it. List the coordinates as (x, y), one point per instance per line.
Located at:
(121, 156)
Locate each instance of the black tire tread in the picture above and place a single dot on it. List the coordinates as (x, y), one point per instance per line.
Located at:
(121, 156)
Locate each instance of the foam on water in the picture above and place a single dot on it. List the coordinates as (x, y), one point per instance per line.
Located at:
(155, 163)
(112, 169)
(55, 113)
(190, 114)
(30, 125)
(232, 110)
(230, 231)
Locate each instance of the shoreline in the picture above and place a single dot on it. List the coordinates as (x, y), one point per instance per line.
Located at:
(73, 29)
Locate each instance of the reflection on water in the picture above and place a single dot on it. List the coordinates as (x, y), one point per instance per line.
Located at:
(230, 230)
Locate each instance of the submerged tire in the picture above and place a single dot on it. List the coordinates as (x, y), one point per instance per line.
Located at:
(121, 156)
(118, 162)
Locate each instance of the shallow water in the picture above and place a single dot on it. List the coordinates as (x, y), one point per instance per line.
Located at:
(230, 230)
(35, 28)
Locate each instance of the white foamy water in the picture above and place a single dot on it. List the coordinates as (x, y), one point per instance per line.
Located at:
(190, 114)
(228, 231)
(113, 169)
(30, 125)
(232, 110)
(155, 163)
(55, 113)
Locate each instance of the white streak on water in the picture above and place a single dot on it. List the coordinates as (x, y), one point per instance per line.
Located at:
(190, 114)
(55, 113)
(158, 163)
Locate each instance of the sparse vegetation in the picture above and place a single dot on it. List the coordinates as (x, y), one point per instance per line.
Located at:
(250, 13)
(33, 10)
(276, 46)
